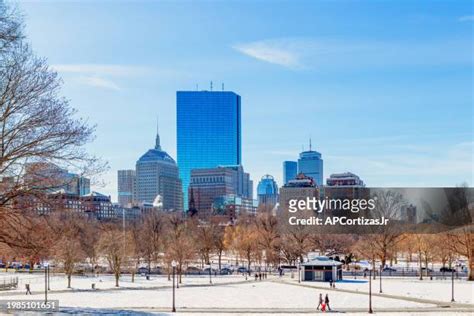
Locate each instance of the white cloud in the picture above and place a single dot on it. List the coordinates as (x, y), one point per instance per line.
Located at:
(99, 82)
(322, 54)
(272, 51)
(101, 69)
(100, 75)
(466, 18)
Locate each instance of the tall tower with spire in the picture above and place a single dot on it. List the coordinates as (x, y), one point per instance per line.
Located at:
(157, 178)
(311, 164)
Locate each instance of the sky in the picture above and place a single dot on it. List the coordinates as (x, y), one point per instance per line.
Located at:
(383, 88)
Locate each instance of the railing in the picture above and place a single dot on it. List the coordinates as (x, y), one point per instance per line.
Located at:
(406, 273)
(9, 284)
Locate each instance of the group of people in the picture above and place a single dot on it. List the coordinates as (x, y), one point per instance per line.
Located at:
(323, 303)
(260, 275)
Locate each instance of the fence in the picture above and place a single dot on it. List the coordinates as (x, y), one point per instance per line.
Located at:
(406, 273)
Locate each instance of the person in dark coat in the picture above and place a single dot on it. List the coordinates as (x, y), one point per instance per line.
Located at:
(326, 300)
(320, 301)
(28, 290)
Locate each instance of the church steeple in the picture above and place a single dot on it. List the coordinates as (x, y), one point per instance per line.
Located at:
(157, 140)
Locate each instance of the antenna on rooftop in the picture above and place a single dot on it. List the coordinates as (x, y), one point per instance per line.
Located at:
(211, 85)
(310, 143)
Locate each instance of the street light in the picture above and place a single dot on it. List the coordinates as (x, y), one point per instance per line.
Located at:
(370, 292)
(46, 283)
(299, 272)
(381, 270)
(49, 278)
(452, 285)
(173, 264)
(210, 272)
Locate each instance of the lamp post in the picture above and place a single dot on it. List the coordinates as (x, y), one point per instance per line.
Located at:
(381, 270)
(49, 278)
(452, 285)
(210, 272)
(299, 272)
(370, 292)
(45, 284)
(173, 264)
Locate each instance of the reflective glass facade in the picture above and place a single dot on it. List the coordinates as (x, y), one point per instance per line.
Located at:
(290, 169)
(208, 131)
(311, 164)
(267, 191)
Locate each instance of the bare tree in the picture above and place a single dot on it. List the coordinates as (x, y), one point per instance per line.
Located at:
(68, 249)
(219, 242)
(180, 244)
(36, 125)
(388, 205)
(296, 242)
(246, 242)
(205, 241)
(11, 27)
(152, 237)
(115, 246)
(268, 236)
(463, 244)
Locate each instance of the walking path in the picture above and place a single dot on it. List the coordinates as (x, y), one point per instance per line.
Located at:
(398, 297)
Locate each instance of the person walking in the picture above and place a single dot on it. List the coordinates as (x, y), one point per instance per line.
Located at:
(28, 290)
(326, 301)
(320, 301)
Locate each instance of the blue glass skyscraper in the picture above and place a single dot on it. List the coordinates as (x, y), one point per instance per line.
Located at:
(267, 191)
(311, 164)
(208, 131)
(290, 169)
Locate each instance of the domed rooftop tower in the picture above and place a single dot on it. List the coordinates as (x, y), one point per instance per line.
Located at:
(267, 191)
(157, 175)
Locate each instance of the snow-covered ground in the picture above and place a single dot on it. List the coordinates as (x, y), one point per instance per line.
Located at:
(59, 282)
(229, 294)
(249, 295)
(436, 289)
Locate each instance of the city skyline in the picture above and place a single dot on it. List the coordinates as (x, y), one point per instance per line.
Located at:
(309, 80)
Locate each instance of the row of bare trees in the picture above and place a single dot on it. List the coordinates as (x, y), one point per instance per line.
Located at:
(156, 239)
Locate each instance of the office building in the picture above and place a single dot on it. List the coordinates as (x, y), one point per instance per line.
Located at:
(126, 187)
(310, 163)
(208, 131)
(267, 191)
(157, 177)
(300, 188)
(290, 170)
(92, 205)
(344, 179)
(231, 206)
(211, 183)
(48, 177)
(345, 185)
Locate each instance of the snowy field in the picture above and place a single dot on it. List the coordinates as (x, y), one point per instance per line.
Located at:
(59, 282)
(438, 290)
(232, 294)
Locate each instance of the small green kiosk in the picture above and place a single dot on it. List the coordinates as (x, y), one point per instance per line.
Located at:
(321, 269)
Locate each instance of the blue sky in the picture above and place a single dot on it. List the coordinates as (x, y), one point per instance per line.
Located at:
(384, 88)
